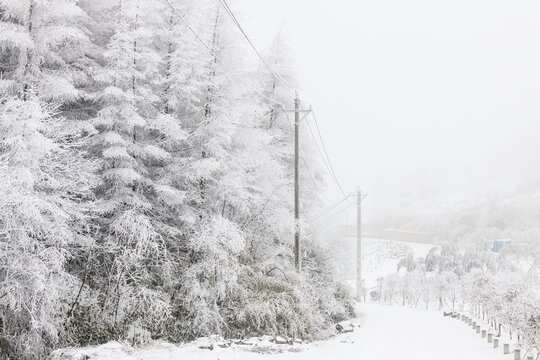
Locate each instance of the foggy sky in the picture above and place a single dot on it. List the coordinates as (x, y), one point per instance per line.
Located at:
(404, 85)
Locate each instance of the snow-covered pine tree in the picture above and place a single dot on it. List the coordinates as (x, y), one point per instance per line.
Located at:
(45, 179)
(130, 257)
(198, 94)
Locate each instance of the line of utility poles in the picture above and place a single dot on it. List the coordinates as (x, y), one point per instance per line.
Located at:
(359, 198)
(359, 286)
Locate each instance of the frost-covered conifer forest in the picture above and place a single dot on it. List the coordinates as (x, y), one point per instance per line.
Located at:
(144, 185)
(155, 202)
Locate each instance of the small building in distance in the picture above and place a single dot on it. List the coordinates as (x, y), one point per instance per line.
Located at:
(406, 236)
(496, 245)
(507, 245)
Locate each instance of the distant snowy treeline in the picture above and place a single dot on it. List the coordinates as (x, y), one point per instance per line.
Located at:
(490, 286)
(472, 218)
(145, 188)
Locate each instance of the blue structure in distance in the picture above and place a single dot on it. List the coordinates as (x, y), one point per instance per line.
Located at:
(496, 245)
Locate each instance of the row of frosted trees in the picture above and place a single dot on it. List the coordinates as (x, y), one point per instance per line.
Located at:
(484, 285)
(145, 187)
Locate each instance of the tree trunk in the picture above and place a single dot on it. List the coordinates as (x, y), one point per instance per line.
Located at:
(26, 85)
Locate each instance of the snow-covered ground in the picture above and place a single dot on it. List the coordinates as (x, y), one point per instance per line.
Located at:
(379, 258)
(380, 333)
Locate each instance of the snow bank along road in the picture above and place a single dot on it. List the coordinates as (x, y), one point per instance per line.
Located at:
(385, 333)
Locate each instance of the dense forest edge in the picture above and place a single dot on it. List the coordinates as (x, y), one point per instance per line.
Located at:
(146, 189)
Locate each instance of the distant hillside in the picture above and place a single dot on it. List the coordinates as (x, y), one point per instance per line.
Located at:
(469, 220)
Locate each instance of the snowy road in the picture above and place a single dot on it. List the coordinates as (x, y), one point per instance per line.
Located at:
(386, 333)
(391, 332)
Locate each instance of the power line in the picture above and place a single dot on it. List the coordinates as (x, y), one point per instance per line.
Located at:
(329, 166)
(335, 214)
(322, 142)
(184, 20)
(195, 33)
(231, 14)
(330, 208)
(319, 149)
(326, 152)
(302, 155)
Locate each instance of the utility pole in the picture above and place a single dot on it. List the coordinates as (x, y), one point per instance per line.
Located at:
(297, 258)
(297, 120)
(359, 288)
